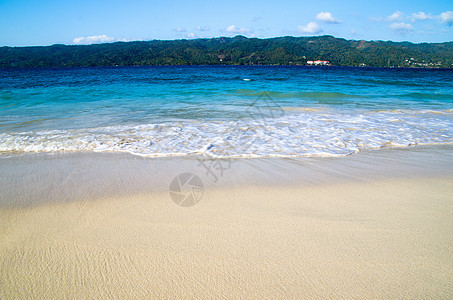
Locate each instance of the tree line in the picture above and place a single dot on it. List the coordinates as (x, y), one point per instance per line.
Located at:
(237, 50)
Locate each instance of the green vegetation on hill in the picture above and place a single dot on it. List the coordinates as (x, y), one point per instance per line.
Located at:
(238, 50)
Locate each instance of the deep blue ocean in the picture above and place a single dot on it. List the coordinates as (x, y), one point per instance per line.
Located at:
(229, 111)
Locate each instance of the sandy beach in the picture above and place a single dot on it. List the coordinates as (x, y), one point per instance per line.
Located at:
(249, 150)
(372, 225)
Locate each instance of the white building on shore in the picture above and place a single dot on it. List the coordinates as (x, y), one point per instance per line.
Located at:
(318, 62)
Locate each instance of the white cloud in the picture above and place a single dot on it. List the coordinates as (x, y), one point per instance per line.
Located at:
(447, 17)
(203, 28)
(95, 39)
(180, 29)
(311, 28)
(396, 16)
(326, 17)
(401, 27)
(234, 29)
(421, 16)
(190, 35)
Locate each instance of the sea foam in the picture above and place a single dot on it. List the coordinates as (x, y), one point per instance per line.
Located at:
(298, 133)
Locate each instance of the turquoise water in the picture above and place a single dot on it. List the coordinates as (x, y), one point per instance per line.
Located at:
(223, 110)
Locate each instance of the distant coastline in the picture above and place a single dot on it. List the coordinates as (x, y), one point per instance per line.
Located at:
(239, 50)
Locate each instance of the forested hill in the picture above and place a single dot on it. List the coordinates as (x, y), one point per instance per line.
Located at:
(238, 50)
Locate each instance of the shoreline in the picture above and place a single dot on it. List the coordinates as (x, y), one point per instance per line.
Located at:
(39, 178)
(229, 65)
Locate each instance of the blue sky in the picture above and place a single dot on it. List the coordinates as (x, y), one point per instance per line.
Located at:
(47, 22)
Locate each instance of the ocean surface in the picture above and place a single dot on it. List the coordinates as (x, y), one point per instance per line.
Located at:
(223, 111)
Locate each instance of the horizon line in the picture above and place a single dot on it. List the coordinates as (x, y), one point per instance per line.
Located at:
(227, 37)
